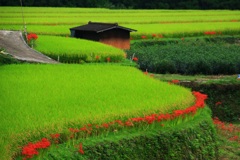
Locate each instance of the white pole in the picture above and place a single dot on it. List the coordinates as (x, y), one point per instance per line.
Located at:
(24, 24)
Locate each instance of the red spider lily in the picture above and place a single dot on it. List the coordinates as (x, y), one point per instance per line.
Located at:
(55, 136)
(178, 113)
(146, 72)
(129, 123)
(144, 37)
(150, 119)
(81, 151)
(31, 148)
(175, 81)
(138, 119)
(154, 35)
(97, 58)
(108, 59)
(151, 75)
(210, 33)
(105, 125)
(160, 35)
(135, 59)
(119, 122)
(234, 20)
(83, 129)
(218, 103)
(234, 138)
(182, 38)
(31, 36)
(73, 130)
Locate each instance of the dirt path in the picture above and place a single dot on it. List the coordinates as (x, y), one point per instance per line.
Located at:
(13, 43)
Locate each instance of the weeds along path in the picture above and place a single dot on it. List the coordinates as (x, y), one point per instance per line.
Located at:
(13, 44)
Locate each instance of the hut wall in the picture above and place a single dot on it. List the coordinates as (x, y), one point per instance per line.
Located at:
(116, 37)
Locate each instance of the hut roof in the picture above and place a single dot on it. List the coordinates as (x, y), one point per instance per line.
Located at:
(100, 27)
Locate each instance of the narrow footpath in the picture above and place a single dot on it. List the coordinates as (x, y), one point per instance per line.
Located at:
(13, 43)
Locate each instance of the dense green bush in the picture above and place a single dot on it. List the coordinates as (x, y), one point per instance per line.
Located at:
(200, 56)
(7, 59)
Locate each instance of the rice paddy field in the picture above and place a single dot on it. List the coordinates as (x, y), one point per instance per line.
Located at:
(170, 23)
(71, 50)
(37, 100)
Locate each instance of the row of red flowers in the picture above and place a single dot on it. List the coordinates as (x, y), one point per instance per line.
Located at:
(228, 130)
(30, 149)
(161, 35)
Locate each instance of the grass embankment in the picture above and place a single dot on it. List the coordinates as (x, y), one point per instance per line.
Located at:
(169, 23)
(191, 138)
(37, 100)
(74, 50)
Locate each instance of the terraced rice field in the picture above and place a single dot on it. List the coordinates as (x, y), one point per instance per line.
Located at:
(170, 23)
(44, 99)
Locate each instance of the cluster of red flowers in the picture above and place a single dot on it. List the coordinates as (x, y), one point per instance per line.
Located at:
(146, 73)
(218, 103)
(30, 149)
(32, 36)
(144, 37)
(160, 35)
(81, 151)
(228, 130)
(108, 59)
(135, 59)
(55, 137)
(154, 35)
(174, 81)
(210, 33)
(97, 58)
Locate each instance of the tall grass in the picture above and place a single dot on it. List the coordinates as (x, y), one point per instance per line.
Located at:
(67, 49)
(36, 100)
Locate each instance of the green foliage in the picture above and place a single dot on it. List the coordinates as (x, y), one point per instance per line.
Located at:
(7, 59)
(188, 57)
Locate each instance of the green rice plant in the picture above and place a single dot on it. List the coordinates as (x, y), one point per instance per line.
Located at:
(41, 15)
(167, 30)
(38, 100)
(72, 50)
(169, 23)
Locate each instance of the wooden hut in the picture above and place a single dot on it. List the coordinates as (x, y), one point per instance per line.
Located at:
(107, 33)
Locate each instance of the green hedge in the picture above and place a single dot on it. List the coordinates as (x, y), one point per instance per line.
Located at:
(195, 139)
(197, 56)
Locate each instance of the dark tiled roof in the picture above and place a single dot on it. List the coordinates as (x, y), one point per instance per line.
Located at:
(100, 27)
